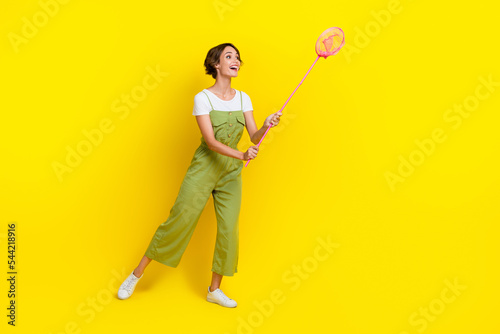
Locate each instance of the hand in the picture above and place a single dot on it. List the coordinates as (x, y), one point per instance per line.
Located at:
(251, 153)
(273, 119)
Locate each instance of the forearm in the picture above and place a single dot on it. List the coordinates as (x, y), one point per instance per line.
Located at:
(258, 135)
(223, 149)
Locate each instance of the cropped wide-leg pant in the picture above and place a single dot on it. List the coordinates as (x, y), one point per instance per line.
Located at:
(209, 173)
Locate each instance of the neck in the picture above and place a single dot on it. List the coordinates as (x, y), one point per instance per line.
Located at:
(222, 85)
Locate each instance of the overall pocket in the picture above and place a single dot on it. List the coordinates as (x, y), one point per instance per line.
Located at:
(219, 125)
(241, 119)
(240, 126)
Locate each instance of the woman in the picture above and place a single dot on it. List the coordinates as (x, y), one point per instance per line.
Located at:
(221, 113)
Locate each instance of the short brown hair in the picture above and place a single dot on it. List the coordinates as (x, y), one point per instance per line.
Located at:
(213, 58)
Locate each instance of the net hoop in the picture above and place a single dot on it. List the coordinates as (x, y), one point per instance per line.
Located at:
(330, 42)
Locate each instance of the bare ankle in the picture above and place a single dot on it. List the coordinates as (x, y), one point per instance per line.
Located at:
(136, 274)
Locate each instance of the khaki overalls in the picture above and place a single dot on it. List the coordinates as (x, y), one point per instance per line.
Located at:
(209, 173)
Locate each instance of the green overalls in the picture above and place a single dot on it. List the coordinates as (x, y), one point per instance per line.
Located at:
(209, 173)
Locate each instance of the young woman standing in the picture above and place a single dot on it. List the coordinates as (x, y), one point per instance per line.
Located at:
(221, 113)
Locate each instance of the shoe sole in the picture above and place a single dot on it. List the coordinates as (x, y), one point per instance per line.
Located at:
(215, 302)
(118, 296)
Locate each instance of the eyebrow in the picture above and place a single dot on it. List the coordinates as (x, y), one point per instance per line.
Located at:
(230, 52)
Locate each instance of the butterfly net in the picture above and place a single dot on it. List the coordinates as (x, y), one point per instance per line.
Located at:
(330, 42)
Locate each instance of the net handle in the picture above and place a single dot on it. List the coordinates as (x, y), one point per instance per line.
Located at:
(270, 125)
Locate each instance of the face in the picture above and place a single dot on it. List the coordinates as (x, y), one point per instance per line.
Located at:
(229, 63)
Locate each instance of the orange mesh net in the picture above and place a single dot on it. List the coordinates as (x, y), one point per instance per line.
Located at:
(330, 42)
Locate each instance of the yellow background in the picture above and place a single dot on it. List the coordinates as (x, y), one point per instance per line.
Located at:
(320, 174)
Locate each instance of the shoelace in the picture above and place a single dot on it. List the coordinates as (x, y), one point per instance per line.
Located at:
(129, 283)
(220, 293)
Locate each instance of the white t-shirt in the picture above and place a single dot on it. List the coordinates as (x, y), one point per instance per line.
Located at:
(202, 105)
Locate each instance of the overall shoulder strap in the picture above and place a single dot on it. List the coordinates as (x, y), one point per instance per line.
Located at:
(209, 100)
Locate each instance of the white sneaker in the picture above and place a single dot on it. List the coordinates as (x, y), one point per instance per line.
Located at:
(128, 286)
(218, 297)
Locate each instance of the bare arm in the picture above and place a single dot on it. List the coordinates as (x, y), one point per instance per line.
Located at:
(256, 135)
(208, 134)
